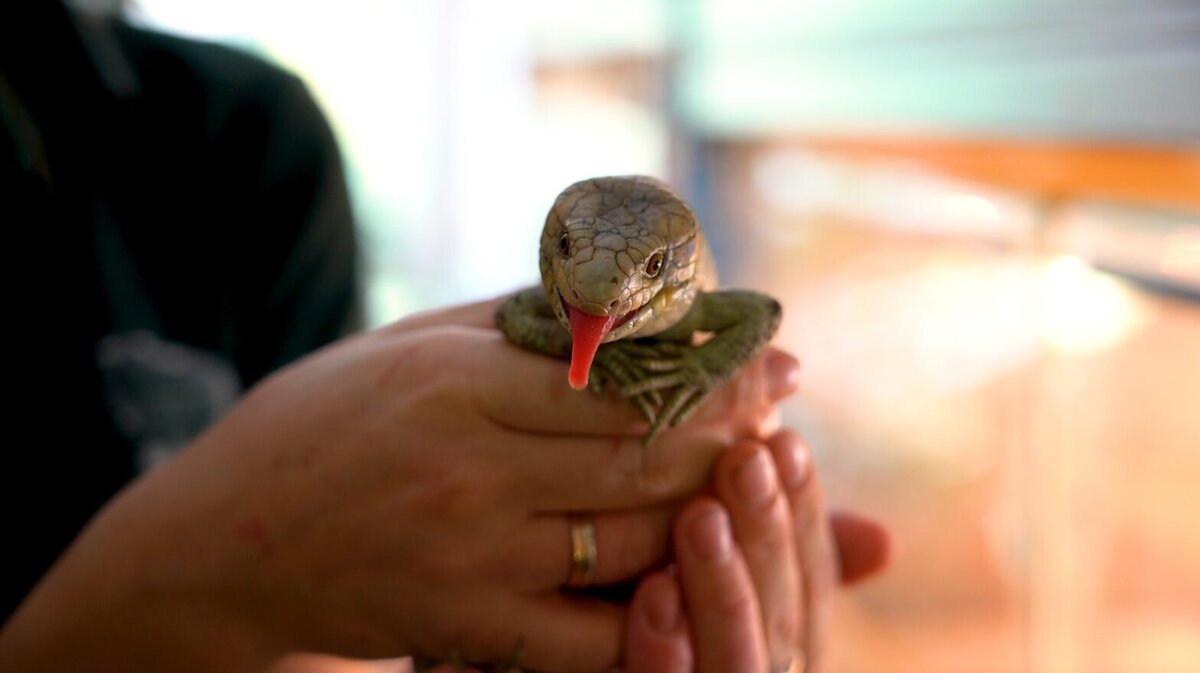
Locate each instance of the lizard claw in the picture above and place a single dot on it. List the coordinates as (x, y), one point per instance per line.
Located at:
(614, 363)
(666, 381)
(687, 379)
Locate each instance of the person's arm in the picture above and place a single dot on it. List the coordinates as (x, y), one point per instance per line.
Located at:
(405, 491)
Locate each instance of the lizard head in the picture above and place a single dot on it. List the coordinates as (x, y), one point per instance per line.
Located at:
(619, 260)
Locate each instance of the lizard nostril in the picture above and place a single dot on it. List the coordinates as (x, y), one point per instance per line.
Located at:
(612, 304)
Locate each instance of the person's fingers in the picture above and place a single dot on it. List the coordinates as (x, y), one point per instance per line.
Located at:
(528, 391)
(656, 635)
(628, 543)
(566, 474)
(761, 516)
(574, 634)
(863, 546)
(575, 452)
(722, 606)
(769, 377)
(814, 542)
(546, 471)
(546, 631)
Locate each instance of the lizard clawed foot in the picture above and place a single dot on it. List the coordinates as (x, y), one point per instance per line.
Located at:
(621, 363)
(665, 380)
(685, 375)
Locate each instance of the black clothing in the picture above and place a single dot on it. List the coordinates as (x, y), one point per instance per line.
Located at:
(177, 226)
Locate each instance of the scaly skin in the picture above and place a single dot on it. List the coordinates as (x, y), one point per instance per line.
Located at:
(597, 251)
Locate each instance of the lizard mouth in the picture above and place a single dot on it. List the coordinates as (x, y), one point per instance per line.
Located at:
(588, 331)
(620, 321)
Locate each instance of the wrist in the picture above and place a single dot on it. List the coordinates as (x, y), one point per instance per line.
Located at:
(69, 625)
(112, 604)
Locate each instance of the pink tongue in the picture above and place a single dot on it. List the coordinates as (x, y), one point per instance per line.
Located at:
(587, 331)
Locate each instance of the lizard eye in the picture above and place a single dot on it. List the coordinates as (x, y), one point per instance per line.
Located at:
(564, 245)
(654, 264)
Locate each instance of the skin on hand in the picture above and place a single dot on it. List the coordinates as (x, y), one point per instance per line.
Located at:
(658, 635)
(393, 494)
(747, 485)
(699, 619)
(830, 548)
(721, 629)
(863, 546)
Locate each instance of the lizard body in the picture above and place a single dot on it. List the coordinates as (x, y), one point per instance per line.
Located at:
(628, 281)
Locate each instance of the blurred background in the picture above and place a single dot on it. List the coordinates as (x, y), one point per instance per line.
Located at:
(981, 216)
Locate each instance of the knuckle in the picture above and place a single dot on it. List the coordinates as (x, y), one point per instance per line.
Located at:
(807, 511)
(772, 530)
(734, 602)
(784, 627)
(656, 478)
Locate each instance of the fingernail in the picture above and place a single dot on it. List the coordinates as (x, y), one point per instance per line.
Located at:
(710, 536)
(783, 374)
(794, 464)
(753, 479)
(662, 607)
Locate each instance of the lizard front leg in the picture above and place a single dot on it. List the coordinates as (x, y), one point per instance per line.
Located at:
(741, 323)
(527, 319)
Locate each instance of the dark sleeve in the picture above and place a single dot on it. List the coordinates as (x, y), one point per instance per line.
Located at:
(219, 183)
(297, 263)
(242, 220)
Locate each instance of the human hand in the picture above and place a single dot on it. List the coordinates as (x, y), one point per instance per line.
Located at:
(402, 492)
(749, 605)
(745, 607)
(832, 547)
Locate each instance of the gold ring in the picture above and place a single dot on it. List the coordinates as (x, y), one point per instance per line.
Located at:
(583, 550)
